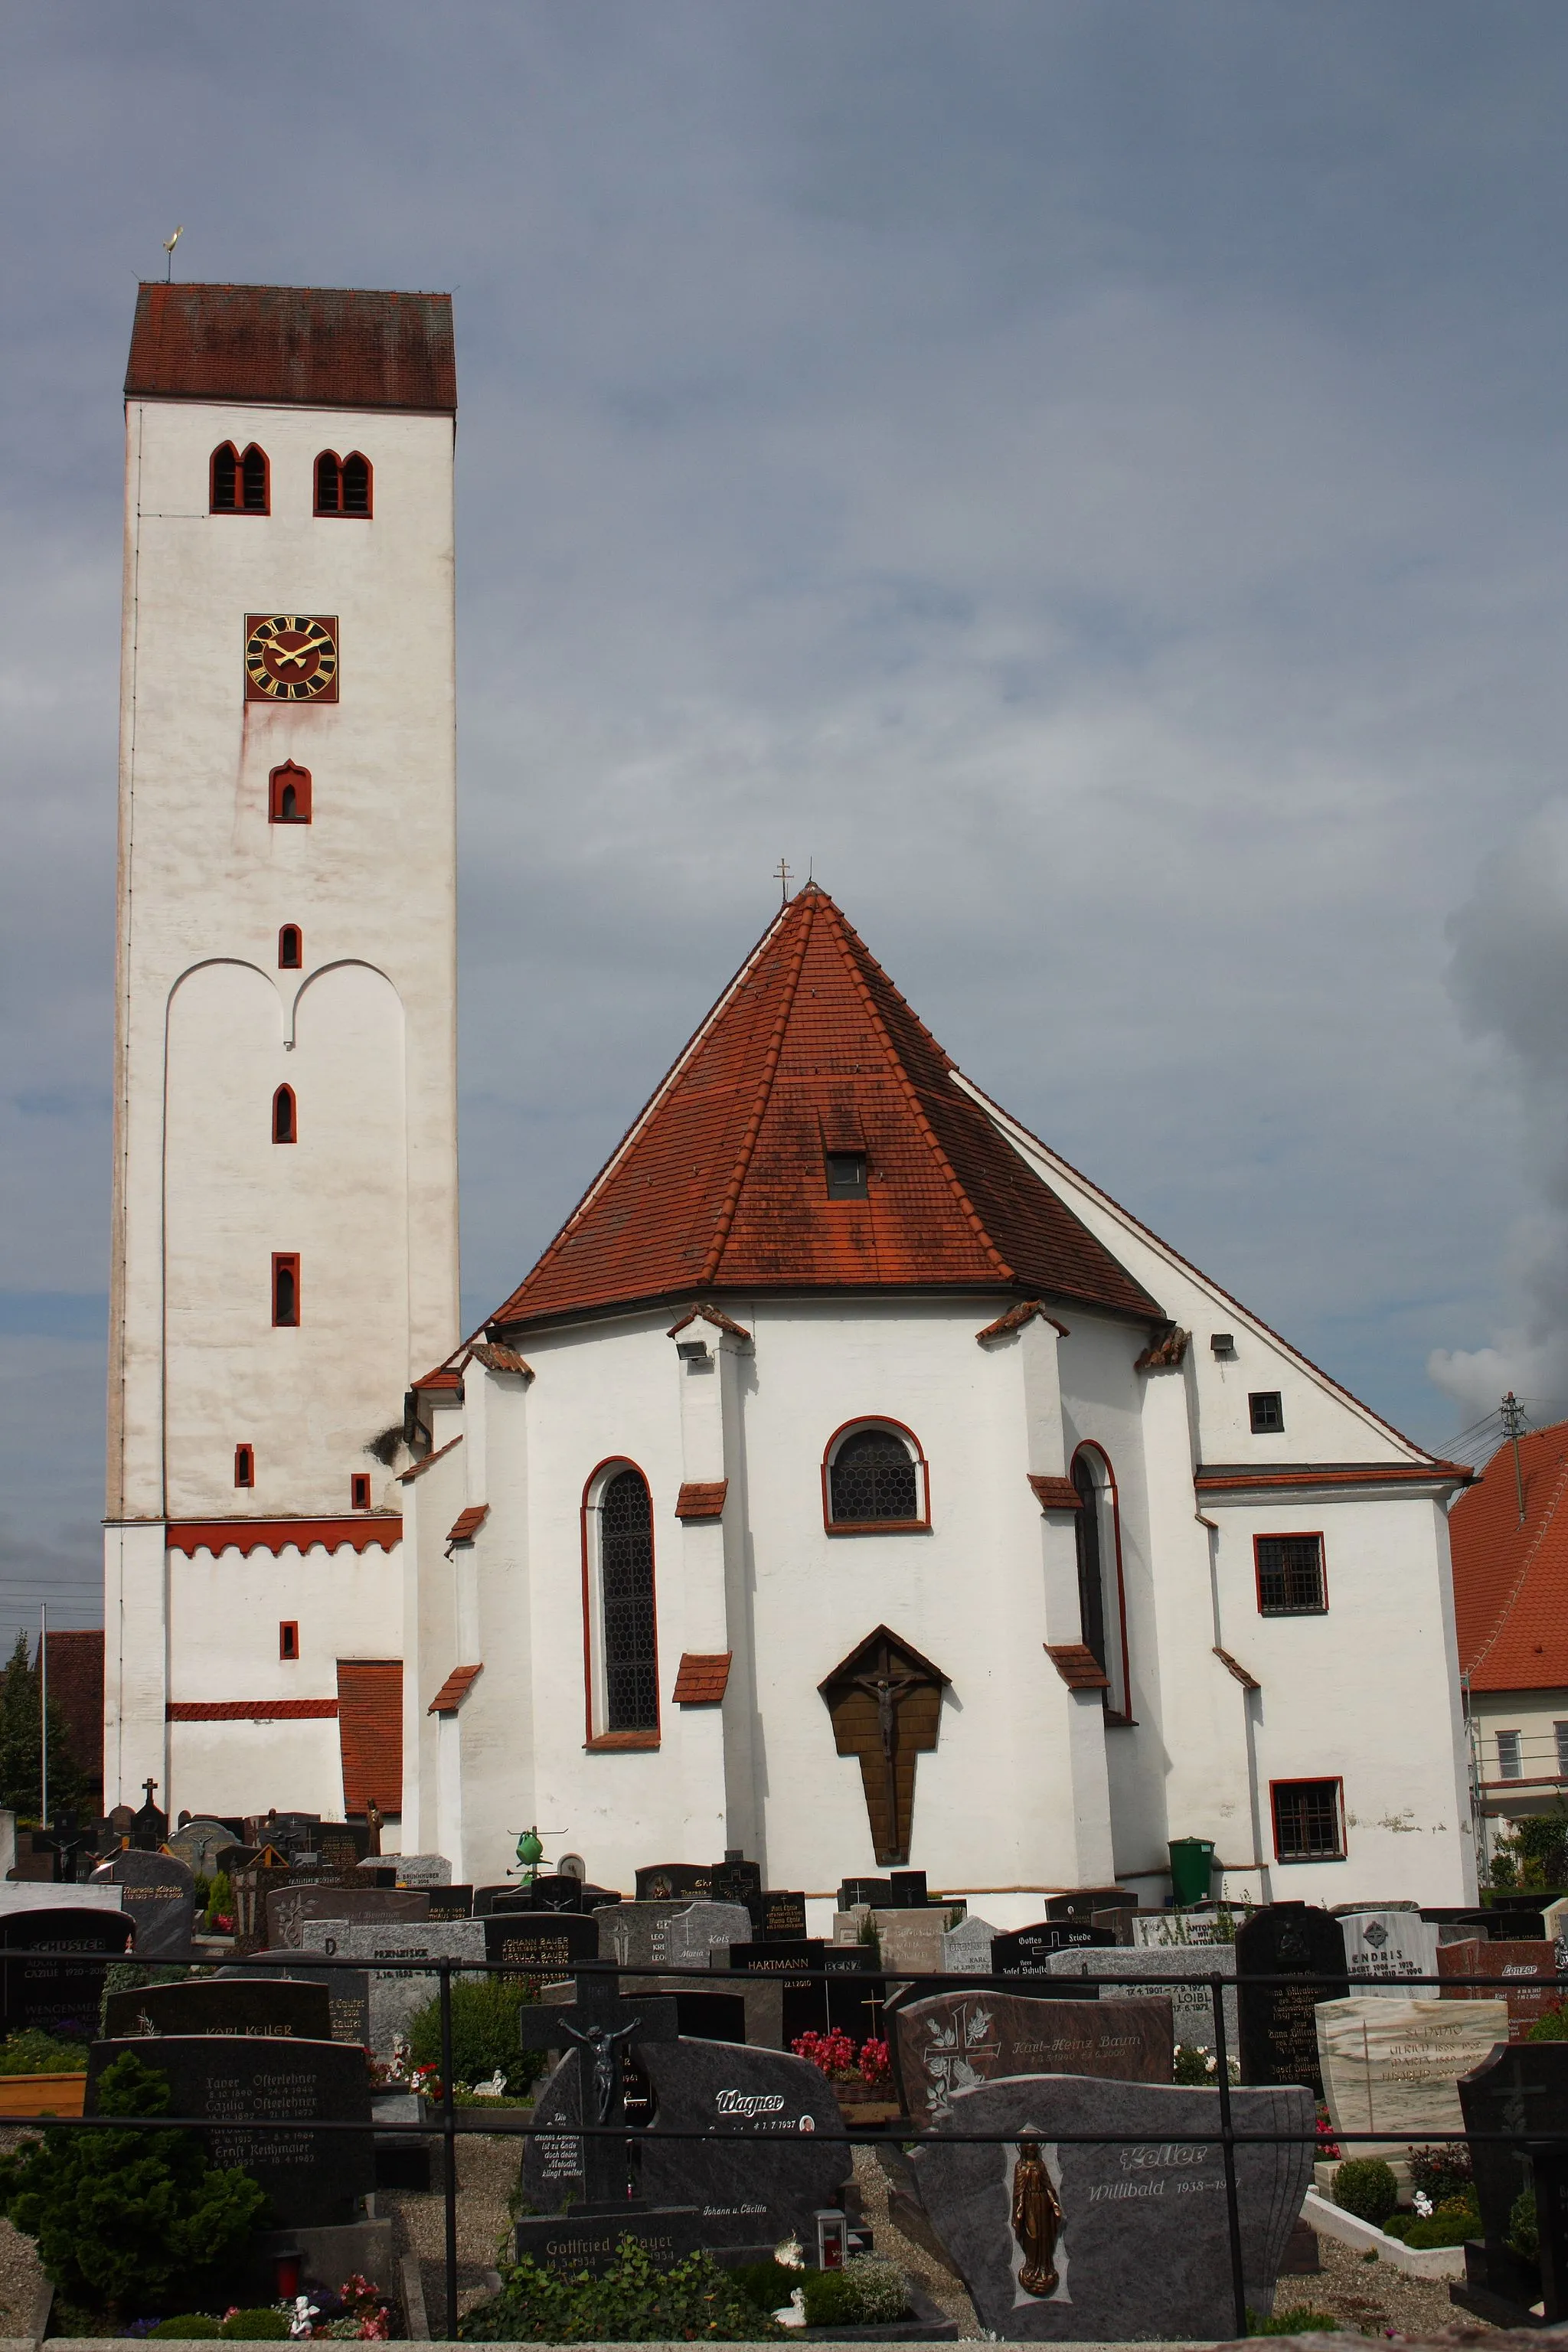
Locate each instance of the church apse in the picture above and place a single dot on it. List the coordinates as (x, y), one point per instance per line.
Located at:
(885, 1703)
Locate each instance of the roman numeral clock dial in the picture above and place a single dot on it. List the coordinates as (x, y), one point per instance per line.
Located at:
(291, 657)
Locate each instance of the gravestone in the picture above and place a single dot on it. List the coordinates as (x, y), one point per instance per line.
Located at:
(911, 1941)
(1524, 1974)
(804, 1999)
(157, 1891)
(778, 1918)
(693, 1935)
(249, 1886)
(257, 2006)
(554, 1891)
(966, 1951)
(292, 1909)
(674, 1881)
(347, 1992)
(396, 1994)
(58, 1989)
(1384, 1946)
(669, 1934)
(599, 2034)
(287, 1834)
(1081, 1903)
(704, 2016)
(38, 1894)
(907, 1890)
(957, 2040)
(342, 1845)
(1520, 2092)
(1030, 1951)
(547, 1943)
(150, 1825)
(1279, 2021)
(1062, 2241)
(736, 1880)
(873, 1894)
(199, 1844)
(1163, 1931)
(422, 1869)
(229, 2080)
(450, 1903)
(856, 1994)
(1181, 1974)
(1393, 2066)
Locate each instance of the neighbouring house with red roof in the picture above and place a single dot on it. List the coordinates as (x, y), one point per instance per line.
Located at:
(1510, 1538)
(852, 1483)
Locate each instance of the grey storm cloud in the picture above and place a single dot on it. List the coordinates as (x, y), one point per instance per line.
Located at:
(1087, 476)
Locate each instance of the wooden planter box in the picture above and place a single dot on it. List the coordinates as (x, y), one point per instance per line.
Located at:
(24, 2095)
(866, 2109)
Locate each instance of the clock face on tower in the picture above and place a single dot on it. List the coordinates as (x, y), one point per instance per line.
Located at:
(291, 657)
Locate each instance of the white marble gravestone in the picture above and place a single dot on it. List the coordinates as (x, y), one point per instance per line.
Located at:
(1382, 1947)
(966, 1950)
(1392, 2066)
(396, 1994)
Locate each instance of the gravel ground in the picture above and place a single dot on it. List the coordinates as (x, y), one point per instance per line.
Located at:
(487, 2171)
(941, 2285)
(1373, 2298)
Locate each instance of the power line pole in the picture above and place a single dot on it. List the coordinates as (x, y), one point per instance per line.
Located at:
(1512, 1414)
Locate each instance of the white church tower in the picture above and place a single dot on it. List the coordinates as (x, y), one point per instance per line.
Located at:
(285, 1220)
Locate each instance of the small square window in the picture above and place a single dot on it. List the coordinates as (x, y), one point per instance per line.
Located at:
(289, 1639)
(358, 1491)
(1267, 1411)
(1290, 1576)
(846, 1176)
(1508, 1755)
(1309, 1823)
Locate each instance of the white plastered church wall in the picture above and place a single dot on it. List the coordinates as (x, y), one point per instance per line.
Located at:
(206, 882)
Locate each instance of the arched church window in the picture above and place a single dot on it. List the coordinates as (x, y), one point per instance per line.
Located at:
(285, 1118)
(285, 1288)
(289, 795)
(245, 1466)
(239, 484)
(343, 484)
(626, 1634)
(290, 948)
(875, 1480)
(1102, 1615)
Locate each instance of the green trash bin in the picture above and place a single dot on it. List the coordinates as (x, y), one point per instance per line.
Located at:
(1192, 1868)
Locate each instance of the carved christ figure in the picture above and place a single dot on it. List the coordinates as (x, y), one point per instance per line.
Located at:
(887, 1689)
(1037, 2220)
(606, 2052)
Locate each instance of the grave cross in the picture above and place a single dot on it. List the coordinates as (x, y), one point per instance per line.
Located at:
(600, 2025)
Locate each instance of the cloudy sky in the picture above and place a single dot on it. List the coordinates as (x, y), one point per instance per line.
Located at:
(1088, 474)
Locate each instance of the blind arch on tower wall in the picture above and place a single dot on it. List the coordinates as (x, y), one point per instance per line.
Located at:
(620, 1608)
(875, 1479)
(1102, 1596)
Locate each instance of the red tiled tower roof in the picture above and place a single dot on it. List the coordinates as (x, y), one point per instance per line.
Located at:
(323, 346)
(722, 1185)
(1511, 1577)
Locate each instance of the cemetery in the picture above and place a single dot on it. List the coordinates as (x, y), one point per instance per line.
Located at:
(364, 2101)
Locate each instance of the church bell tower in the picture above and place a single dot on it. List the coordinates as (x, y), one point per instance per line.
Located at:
(285, 1217)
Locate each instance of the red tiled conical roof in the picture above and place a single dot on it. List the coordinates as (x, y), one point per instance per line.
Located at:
(722, 1183)
(1510, 1576)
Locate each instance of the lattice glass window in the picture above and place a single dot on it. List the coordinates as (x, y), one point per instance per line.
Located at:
(1562, 1731)
(1307, 1821)
(873, 1477)
(1508, 1758)
(1290, 1575)
(625, 1577)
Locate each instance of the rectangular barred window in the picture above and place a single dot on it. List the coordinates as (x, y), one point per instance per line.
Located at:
(1308, 1820)
(1290, 1576)
(1508, 1761)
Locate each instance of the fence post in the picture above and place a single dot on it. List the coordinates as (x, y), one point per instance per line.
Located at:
(449, 2148)
(1228, 2144)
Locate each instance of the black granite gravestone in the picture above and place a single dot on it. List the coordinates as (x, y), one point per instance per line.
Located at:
(226, 2080)
(57, 1990)
(777, 1918)
(876, 1893)
(595, 2031)
(347, 1992)
(1522, 2091)
(1277, 2023)
(675, 1882)
(149, 1827)
(450, 1902)
(257, 2006)
(710, 2016)
(1083, 1902)
(552, 1891)
(292, 1908)
(157, 1891)
(1026, 1951)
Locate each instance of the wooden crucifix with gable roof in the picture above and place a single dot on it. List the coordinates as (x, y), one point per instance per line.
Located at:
(884, 1700)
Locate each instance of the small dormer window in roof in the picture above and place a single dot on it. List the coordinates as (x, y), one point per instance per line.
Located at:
(847, 1176)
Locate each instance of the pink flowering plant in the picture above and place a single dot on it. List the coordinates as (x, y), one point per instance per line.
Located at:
(835, 2055)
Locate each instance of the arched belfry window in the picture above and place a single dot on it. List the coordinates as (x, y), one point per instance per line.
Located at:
(285, 1117)
(343, 484)
(239, 484)
(1101, 1610)
(290, 948)
(874, 1480)
(622, 1628)
(289, 795)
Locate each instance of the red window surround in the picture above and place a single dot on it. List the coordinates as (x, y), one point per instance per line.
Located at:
(1304, 1813)
(606, 1742)
(1116, 1626)
(289, 795)
(245, 1466)
(285, 1288)
(358, 1491)
(343, 485)
(236, 484)
(289, 1639)
(290, 948)
(921, 1525)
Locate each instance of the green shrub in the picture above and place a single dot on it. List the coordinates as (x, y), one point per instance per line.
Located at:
(484, 2033)
(1301, 2320)
(1365, 2186)
(1399, 2225)
(1444, 2229)
(1443, 2171)
(1523, 2229)
(220, 1903)
(190, 2324)
(632, 2303)
(260, 2325)
(830, 2298)
(1551, 2025)
(767, 2287)
(123, 2218)
(877, 2288)
(33, 2052)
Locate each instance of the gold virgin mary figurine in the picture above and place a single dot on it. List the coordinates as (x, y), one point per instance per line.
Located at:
(1037, 2220)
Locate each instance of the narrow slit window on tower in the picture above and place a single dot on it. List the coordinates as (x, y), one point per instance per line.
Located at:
(238, 484)
(343, 484)
(285, 1117)
(846, 1176)
(290, 948)
(285, 1288)
(289, 1639)
(359, 1490)
(245, 1466)
(289, 795)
